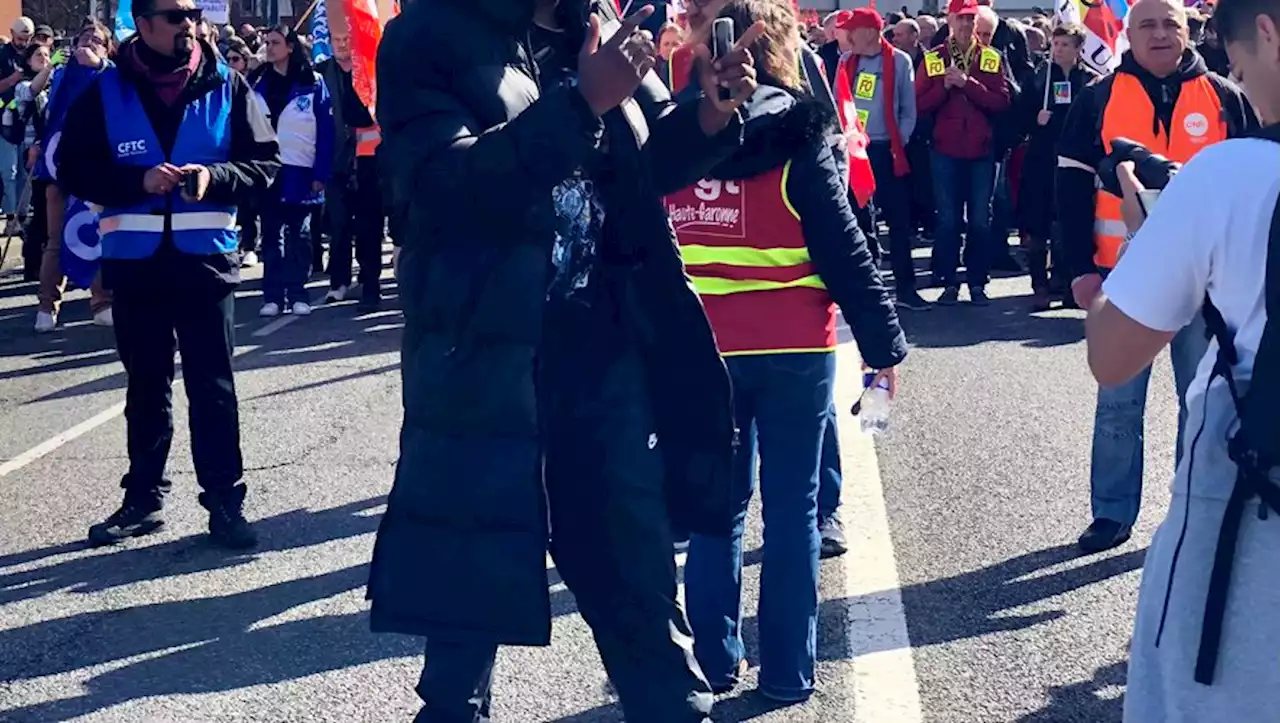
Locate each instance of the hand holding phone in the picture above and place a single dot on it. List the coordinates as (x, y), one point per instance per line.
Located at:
(721, 45)
(195, 181)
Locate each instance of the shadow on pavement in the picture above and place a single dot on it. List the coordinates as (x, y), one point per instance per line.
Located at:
(207, 645)
(968, 605)
(130, 565)
(974, 603)
(743, 706)
(1080, 702)
(81, 347)
(1006, 319)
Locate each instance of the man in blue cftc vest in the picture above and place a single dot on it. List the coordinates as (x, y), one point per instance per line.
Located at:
(165, 142)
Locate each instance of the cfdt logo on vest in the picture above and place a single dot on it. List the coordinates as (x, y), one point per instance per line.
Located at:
(126, 149)
(1196, 125)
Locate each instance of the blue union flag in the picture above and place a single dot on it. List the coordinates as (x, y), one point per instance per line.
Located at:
(81, 245)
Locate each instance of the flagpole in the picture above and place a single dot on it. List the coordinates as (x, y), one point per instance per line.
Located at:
(1048, 82)
(303, 19)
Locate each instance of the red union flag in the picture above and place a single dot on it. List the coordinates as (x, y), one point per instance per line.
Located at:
(366, 33)
(861, 178)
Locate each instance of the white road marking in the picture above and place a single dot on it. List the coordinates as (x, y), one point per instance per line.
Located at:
(52, 443)
(277, 325)
(108, 414)
(884, 673)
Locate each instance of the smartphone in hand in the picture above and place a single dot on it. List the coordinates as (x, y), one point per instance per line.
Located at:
(722, 39)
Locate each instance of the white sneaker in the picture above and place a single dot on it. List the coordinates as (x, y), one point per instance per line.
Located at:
(104, 318)
(45, 322)
(269, 309)
(335, 295)
(302, 308)
(249, 259)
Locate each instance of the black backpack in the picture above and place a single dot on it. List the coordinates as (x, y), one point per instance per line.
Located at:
(13, 124)
(1255, 448)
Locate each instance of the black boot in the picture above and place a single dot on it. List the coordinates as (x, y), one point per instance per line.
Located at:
(139, 515)
(1104, 534)
(227, 526)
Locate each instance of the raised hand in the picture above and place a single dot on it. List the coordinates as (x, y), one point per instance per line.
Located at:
(610, 73)
(735, 71)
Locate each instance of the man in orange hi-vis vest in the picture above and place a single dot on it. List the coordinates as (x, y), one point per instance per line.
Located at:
(354, 200)
(1163, 97)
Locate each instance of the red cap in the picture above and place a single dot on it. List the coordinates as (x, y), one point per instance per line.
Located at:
(860, 18)
(962, 7)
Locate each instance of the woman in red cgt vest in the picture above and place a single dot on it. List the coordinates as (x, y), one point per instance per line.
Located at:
(772, 245)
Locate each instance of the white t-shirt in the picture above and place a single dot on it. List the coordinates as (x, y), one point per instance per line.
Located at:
(1208, 232)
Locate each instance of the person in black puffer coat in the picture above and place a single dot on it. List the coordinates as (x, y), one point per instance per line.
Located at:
(560, 377)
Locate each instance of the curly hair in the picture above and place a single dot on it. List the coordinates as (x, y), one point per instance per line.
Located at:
(777, 51)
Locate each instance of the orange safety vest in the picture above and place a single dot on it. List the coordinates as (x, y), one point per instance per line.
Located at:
(367, 140)
(1198, 122)
(742, 243)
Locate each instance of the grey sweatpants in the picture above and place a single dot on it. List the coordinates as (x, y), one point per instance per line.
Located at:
(1246, 685)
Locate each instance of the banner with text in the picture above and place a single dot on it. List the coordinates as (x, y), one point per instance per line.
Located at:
(215, 11)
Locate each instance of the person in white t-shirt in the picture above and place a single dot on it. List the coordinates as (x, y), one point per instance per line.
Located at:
(1209, 233)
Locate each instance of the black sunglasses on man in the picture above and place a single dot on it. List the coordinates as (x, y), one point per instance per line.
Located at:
(175, 17)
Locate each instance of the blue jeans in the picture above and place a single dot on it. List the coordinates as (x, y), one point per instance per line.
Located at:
(787, 398)
(286, 253)
(962, 189)
(1115, 481)
(830, 478)
(13, 174)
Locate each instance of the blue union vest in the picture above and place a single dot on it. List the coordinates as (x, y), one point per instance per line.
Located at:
(204, 137)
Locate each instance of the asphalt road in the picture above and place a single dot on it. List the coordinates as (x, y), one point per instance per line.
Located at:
(963, 522)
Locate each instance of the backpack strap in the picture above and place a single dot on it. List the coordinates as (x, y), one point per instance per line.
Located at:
(1253, 466)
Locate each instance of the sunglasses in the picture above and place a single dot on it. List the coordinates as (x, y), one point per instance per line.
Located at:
(176, 17)
(235, 59)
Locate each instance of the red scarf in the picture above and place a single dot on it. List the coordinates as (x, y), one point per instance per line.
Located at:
(168, 85)
(889, 72)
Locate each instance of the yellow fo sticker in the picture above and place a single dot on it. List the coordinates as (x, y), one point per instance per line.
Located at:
(865, 88)
(863, 114)
(989, 61)
(933, 65)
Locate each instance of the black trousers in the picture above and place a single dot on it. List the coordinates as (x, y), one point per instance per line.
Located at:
(247, 215)
(356, 213)
(893, 201)
(36, 234)
(149, 326)
(920, 182)
(317, 227)
(612, 545)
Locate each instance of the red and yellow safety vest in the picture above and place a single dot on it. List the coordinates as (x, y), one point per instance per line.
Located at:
(744, 247)
(1198, 123)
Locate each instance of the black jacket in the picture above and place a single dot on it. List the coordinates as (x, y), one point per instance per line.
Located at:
(87, 167)
(474, 149)
(344, 137)
(1081, 143)
(782, 128)
(1043, 140)
(830, 54)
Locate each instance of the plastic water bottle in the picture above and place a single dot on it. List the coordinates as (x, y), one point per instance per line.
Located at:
(874, 407)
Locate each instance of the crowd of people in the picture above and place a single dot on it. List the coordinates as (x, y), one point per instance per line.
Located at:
(328, 140)
(605, 353)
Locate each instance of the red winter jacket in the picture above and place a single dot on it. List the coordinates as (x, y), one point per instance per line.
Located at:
(962, 126)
